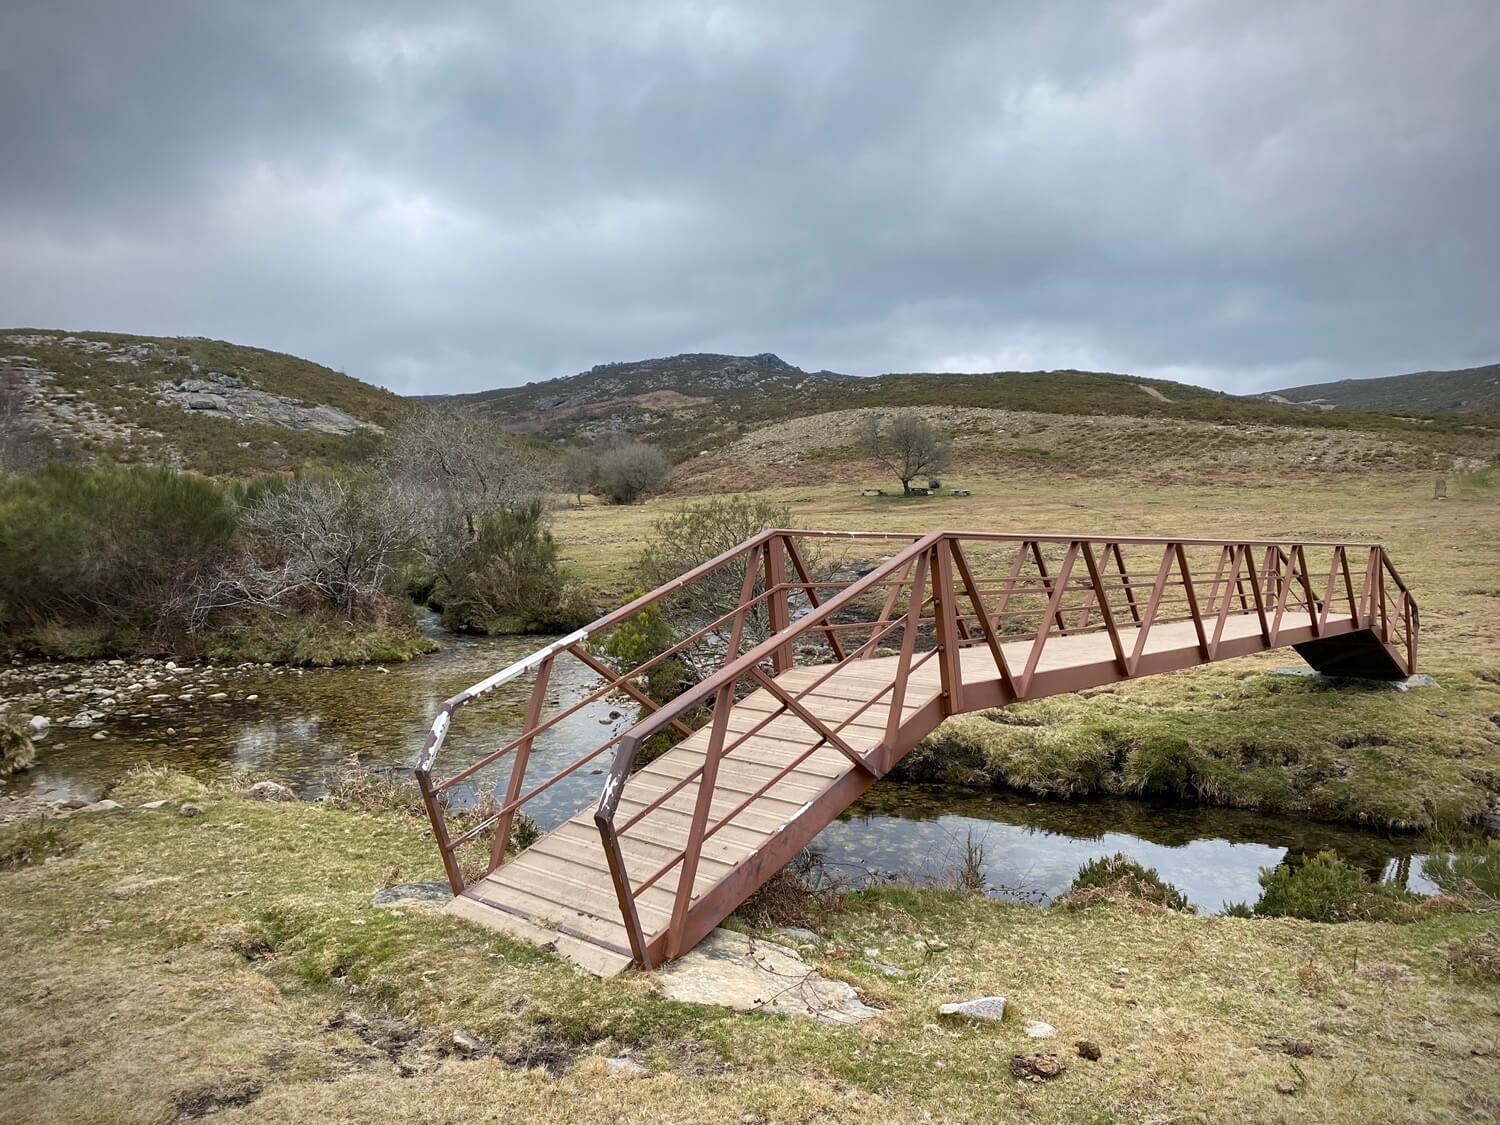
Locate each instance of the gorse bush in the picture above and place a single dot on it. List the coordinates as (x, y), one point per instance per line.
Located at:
(98, 560)
(1324, 888)
(508, 579)
(120, 551)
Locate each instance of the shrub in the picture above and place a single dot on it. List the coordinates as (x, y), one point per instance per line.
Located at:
(31, 842)
(802, 893)
(694, 533)
(1120, 874)
(508, 580)
(16, 750)
(1324, 888)
(121, 550)
(632, 472)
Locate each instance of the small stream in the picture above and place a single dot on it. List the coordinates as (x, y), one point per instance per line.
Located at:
(298, 726)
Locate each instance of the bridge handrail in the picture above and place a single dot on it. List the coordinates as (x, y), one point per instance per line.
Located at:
(1281, 585)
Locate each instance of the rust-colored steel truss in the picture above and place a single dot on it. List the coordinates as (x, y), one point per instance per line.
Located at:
(806, 671)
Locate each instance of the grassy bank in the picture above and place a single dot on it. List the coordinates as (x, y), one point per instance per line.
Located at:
(1243, 736)
(173, 966)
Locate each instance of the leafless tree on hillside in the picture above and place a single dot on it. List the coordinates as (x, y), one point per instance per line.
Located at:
(908, 446)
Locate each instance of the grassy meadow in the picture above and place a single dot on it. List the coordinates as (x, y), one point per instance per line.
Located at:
(169, 967)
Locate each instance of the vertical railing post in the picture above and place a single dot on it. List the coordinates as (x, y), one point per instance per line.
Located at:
(778, 609)
(702, 809)
(903, 662)
(440, 832)
(1385, 620)
(945, 619)
(518, 763)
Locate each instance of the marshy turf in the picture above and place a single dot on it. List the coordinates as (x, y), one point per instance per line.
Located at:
(166, 966)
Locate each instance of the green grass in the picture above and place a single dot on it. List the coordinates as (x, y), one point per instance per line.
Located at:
(176, 962)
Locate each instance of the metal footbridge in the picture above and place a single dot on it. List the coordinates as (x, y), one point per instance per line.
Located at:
(801, 666)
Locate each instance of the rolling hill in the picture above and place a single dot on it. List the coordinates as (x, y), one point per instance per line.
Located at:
(200, 404)
(696, 403)
(1471, 390)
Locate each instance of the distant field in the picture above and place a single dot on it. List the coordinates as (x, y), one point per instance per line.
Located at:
(1445, 549)
(826, 447)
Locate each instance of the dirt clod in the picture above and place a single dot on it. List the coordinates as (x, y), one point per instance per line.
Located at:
(1088, 1050)
(1037, 1067)
(210, 1099)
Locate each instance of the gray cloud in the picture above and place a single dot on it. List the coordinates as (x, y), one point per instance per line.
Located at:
(459, 196)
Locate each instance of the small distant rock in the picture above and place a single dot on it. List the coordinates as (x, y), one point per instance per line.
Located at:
(39, 725)
(189, 809)
(1089, 1050)
(102, 806)
(887, 969)
(98, 736)
(219, 695)
(270, 791)
(155, 804)
(1037, 1068)
(251, 698)
(624, 1067)
(1036, 1029)
(466, 1044)
(984, 1008)
(414, 896)
(1285, 1086)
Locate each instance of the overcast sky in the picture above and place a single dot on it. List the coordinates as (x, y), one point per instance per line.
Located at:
(454, 196)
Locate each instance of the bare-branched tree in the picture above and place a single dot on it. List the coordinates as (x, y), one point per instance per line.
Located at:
(908, 446)
(579, 472)
(462, 466)
(336, 539)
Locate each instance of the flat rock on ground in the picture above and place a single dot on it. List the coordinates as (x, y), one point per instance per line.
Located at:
(984, 1008)
(748, 974)
(413, 896)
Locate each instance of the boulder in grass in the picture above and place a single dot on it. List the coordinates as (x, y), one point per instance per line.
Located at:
(990, 1008)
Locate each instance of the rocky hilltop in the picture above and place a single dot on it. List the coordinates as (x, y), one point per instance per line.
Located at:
(675, 399)
(188, 402)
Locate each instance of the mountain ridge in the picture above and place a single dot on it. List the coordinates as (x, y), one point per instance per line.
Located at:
(1464, 390)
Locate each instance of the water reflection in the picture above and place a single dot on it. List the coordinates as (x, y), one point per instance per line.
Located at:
(304, 724)
(1032, 849)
